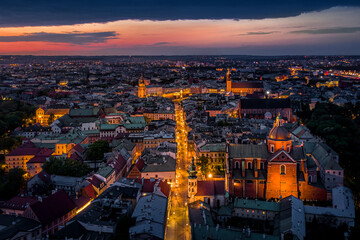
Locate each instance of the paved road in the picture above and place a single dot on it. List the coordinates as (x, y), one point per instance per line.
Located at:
(178, 223)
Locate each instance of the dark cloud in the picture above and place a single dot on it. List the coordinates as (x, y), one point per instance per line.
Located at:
(257, 33)
(72, 37)
(45, 12)
(161, 43)
(329, 30)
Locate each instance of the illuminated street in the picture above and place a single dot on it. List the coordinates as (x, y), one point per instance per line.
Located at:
(178, 223)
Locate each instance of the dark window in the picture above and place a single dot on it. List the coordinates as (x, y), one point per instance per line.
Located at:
(282, 169)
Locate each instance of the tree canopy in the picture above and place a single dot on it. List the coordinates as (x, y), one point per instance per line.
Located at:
(13, 114)
(97, 149)
(203, 163)
(12, 183)
(66, 167)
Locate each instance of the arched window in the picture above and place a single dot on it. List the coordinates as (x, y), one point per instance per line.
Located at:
(262, 165)
(310, 179)
(249, 165)
(272, 148)
(237, 165)
(282, 169)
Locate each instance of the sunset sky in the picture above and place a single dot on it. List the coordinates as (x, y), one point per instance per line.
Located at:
(232, 27)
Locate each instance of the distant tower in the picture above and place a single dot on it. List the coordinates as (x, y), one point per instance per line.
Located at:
(228, 81)
(142, 88)
(192, 181)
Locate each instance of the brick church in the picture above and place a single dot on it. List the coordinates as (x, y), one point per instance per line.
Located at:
(243, 88)
(273, 170)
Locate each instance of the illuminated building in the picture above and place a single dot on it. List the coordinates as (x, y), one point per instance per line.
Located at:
(281, 168)
(243, 88)
(192, 180)
(42, 116)
(257, 108)
(211, 192)
(141, 88)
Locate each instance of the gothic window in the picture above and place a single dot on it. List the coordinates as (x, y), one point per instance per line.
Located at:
(282, 169)
(237, 165)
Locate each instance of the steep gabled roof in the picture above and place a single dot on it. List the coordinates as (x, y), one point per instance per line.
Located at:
(281, 156)
(248, 151)
(53, 207)
(210, 188)
(264, 103)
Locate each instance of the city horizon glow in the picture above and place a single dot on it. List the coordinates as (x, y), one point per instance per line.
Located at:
(333, 31)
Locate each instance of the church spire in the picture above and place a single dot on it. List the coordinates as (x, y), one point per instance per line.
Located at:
(141, 87)
(192, 170)
(228, 80)
(279, 121)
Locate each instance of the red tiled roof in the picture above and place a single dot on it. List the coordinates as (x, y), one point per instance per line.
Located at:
(78, 148)
(45, 152)
(147, 185)
(140, 164)
(89, 191)
(37, 159)
(95, 181)
(118, 163)
(53, 207)
(81, 201)
(18, 203)
(25, 149)
(75, 156)
(247, 85)
(165, 188)
(210, 188)
(121, 160)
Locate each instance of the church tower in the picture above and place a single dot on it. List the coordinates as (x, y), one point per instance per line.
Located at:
(141, 88)
(192, 181)
(279, 137)
(228, 81)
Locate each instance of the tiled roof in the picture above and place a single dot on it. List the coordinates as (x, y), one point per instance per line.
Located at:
(53, 207)
(256, 204)
(210, 188)
(9, 230)
(89, 191)
(165, 188)
(37, 159)
(56, 111)
(264, 103)
(147, 185)
(18, 203)
(44, 176)
(214, 147)
(247, 85)
(140, 164)
(25, 149)
(248, 151)
(95, 181)
(80, 112)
